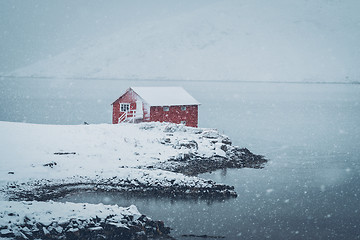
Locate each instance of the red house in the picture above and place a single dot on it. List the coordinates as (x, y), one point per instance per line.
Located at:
(156, 104)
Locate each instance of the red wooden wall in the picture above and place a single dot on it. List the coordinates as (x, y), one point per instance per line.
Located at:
(175, 115)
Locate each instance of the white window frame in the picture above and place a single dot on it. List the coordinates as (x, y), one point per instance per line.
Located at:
(124, 107)
(166, 108)
(183, 108)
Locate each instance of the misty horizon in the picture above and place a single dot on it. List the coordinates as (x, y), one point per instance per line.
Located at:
(304, 41)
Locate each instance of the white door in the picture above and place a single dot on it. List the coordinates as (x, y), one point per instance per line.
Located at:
(139, 110)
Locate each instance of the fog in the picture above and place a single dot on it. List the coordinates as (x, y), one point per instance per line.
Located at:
(316, 41)
(32, 30)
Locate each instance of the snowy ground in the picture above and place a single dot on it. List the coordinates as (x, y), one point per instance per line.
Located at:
(42, 162)
(95, 149)
(104, 154)
(100, 153)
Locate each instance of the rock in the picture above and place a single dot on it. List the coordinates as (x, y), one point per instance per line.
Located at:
(189, 144)
(192, 163)
(224, 147)
(210, 134)
(45, 231)
(64, 153)
(6, 233)
(96, 228)
(51, 164)
(226, 140)
(171, 128)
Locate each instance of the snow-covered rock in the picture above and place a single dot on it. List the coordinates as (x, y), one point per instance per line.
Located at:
(45, 161)
(135, 181)
(54, 220)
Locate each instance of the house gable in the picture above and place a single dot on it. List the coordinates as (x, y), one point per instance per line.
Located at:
(132, 98)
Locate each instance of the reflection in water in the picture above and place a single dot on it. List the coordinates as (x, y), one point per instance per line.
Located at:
(281, 201)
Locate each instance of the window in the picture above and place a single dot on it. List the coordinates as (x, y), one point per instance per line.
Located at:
(183, 122)
(166, 109)
(124, 107)
(183, 108)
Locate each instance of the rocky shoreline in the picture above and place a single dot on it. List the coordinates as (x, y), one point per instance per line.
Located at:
(44, 190)
(187, 164)
(163, 160)
(143, 227)
(95, 228)
(20, 220)
(192, 164)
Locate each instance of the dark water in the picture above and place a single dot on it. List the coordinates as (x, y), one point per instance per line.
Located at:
(310, 132)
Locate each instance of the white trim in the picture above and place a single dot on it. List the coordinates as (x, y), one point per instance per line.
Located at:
(124, 107)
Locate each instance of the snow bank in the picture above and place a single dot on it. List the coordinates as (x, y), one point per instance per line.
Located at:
(125, 157)
(58, 151)
(48, 212)
(24, 220)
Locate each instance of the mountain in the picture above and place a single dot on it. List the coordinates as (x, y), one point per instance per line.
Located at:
(248, 40)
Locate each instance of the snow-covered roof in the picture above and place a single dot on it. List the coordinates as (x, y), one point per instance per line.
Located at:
(165, 96)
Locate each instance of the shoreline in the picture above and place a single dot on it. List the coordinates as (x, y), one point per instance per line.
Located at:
(164, 160)
(189, 165)
(31, 220)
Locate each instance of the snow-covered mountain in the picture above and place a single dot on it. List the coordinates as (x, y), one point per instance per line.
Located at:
(248, 40)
